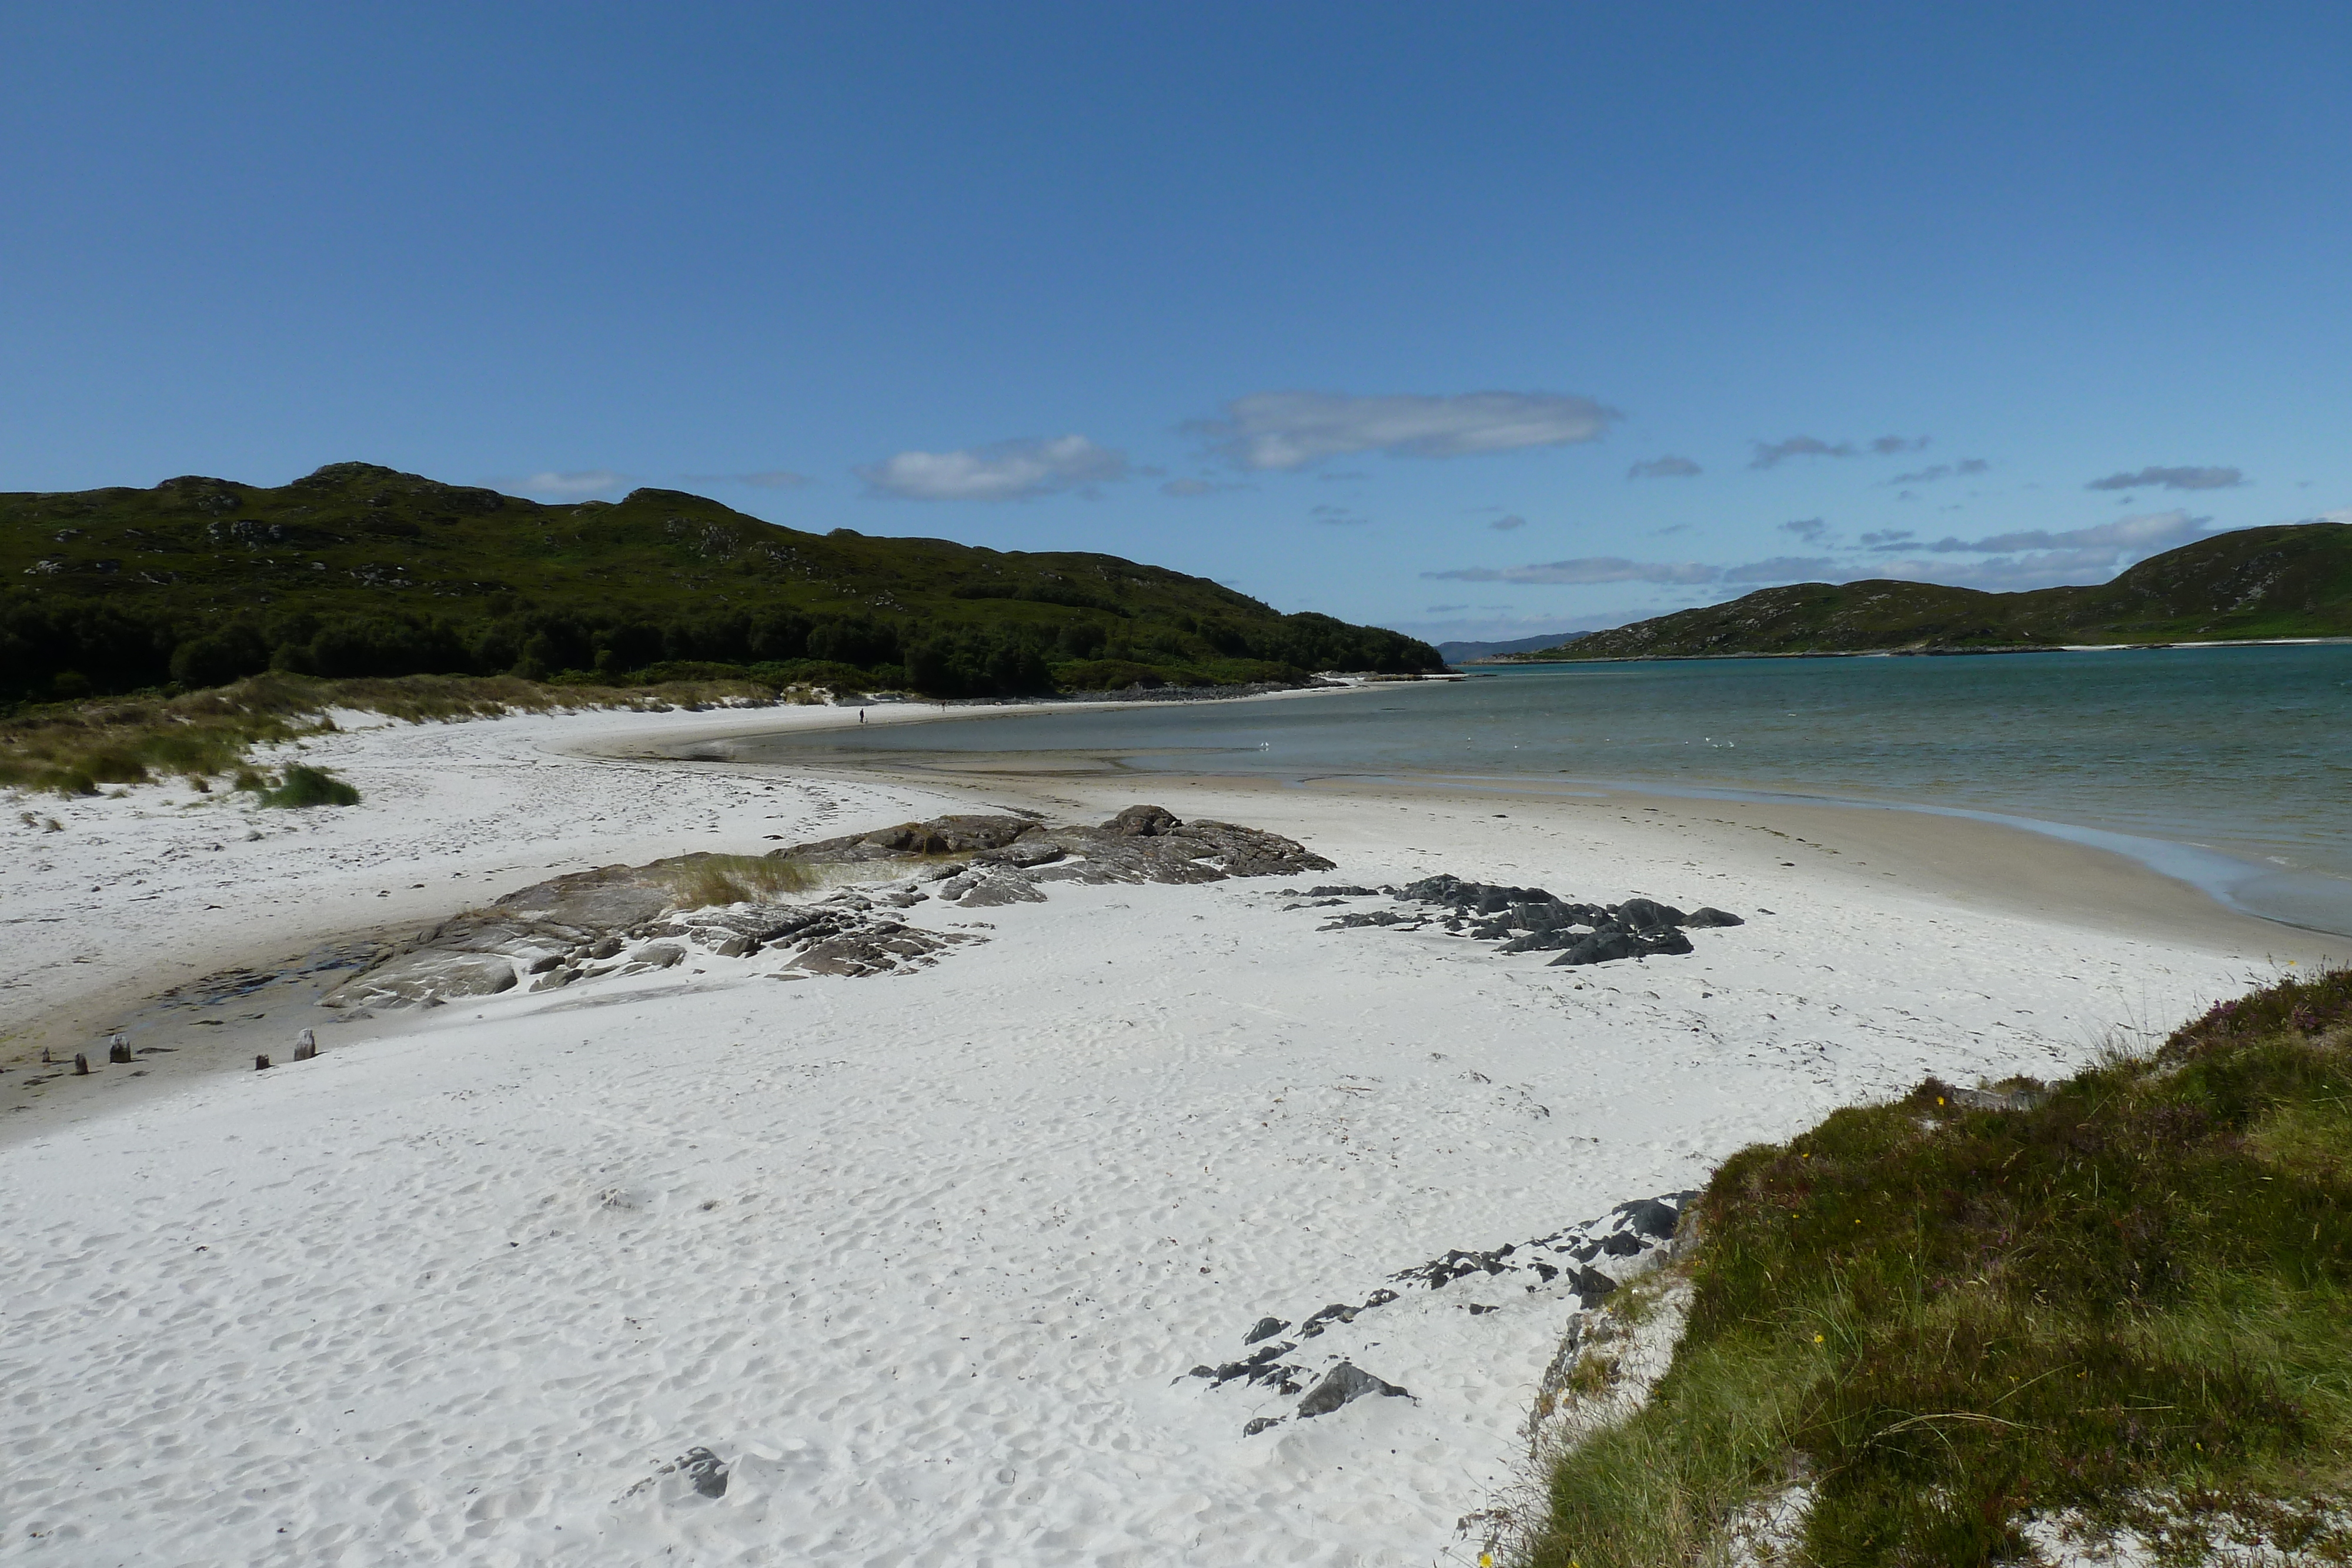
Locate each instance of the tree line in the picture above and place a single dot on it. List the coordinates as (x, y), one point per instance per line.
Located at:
(56, 651)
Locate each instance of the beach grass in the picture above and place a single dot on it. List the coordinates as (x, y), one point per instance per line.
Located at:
(2125, 1300)
(305, 786)
(73, 748)
(707, 881)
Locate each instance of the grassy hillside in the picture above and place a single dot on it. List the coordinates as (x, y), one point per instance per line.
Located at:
(2121, 1300)
(2288, 582)
(359, 570)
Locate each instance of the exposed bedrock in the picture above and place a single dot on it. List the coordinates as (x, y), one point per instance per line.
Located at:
(1528, 919)
(621, 919)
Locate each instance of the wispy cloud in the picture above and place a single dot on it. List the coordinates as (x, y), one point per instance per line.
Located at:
(1668, 467)
(1772, 454)
(1934, 472)
(1587, 570)
(1504, 525)
(1782, 569)
(2142, 535)
(1338, 517)
(2170, 479)
(1001, 470)
(2030, 559)
(571, 486)
(1286, 430)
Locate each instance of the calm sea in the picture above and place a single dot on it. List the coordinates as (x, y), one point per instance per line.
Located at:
(2231, 768)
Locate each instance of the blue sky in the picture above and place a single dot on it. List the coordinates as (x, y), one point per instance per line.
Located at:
(1471, 321)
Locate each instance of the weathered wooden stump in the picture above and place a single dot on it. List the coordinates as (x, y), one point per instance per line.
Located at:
(261, 1064)
(81, 1065)
(119, 1050)
(306, 1046)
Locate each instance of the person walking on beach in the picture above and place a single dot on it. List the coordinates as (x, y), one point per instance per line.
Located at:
(861, 716)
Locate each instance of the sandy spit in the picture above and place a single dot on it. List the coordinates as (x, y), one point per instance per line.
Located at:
(925, 1259)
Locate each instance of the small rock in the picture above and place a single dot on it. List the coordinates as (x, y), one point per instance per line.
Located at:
(1266, 1328)
(1343, 1384)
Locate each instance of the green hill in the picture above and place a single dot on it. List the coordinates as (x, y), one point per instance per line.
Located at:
(2292, 581)
(361, 570)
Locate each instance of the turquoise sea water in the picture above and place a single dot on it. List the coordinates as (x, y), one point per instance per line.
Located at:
(2231, 768)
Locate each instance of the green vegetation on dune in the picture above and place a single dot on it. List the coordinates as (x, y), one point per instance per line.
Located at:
(74, 747)
(2128, 1298)
(2294, 580)
(357, 571)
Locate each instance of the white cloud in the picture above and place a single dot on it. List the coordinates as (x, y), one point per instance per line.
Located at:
(569, 486)
(1504, 525)
(1587, 570)
(1001, 470)
(1283, 430)
(1771, 454)
(1668, 467)
(2170, 479)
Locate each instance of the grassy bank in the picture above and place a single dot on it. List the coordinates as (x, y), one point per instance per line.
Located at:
(2123, 1301)
(73, 748)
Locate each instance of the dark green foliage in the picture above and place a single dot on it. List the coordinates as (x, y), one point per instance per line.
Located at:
(357, 570)
(304, 786)
(2292, 581)
(2130, 1299)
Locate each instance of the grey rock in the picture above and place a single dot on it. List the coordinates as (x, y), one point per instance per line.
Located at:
(1343, 1384)
(1142, 822)
(1001, 888)
(424, 978)
(555, 979)
(1647, 915)
(1259, 1424)
(1266, 1328)
(1705, 915)
(654, 955)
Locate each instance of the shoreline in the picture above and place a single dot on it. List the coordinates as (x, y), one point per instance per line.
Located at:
(1972, 861)
(1920, 653)
(954, 1236)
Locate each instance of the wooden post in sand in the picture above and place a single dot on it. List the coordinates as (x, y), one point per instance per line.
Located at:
(306, 1046)
(81, 1065)
(261, 1064)
(117, 1050)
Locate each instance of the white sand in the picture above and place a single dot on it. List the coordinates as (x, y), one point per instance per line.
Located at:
(926, 1257)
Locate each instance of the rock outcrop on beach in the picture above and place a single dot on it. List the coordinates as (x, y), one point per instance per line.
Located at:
(622, 919)
(1526, 919)
(1591, 1261)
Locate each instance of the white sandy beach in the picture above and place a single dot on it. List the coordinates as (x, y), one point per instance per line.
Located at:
(925, 1258)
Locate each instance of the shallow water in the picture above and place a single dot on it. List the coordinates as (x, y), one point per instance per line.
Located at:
(2231, 768)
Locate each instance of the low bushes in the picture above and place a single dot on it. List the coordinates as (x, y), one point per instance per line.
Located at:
(2129, 1299)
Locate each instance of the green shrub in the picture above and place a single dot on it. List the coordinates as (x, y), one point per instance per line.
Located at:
(306, 786)
(2129, 1296)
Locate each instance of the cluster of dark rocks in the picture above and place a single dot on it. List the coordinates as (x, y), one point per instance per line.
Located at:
(623, 919)
(1525, 919)
(1592, 1260)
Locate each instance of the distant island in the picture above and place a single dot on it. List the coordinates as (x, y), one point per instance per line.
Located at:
(1470, 652)
(362, 570)
(2290, 580)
